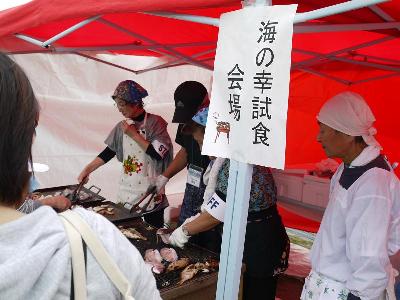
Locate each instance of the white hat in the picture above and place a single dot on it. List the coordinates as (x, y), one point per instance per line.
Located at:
(348, 112)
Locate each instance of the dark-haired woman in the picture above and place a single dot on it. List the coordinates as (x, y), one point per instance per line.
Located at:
(35, 256)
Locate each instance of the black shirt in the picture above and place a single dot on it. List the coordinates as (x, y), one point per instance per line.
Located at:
(192, 149)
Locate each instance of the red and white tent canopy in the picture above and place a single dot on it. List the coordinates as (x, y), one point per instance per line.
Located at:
(358, 50)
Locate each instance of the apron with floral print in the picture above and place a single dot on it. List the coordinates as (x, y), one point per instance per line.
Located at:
(137, 170)
(319, 287)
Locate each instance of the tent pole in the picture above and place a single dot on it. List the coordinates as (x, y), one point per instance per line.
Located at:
(345, 27)
(168, 49)
(351, 61)
(299, 18)
(47, 43)
(376, 78)
(29, 39)
(175, 62)
(312, 61)
(334, 9)
(235, 219)
(69, 30)
(366, 64)
(384, 15)
(105, 62)
(320, 74)
(134, 46)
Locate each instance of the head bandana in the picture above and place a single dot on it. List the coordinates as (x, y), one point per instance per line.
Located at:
(201, 117)
(130, 91)
(348, 112)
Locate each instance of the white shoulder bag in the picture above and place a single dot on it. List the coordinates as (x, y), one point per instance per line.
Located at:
(77, 229)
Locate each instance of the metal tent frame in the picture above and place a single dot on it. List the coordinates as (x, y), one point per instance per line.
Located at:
(240, 174)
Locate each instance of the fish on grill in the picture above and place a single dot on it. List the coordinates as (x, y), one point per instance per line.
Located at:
(178, 264)
(132, 233)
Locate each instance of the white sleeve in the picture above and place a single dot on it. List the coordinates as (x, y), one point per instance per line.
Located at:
(126, 256)
(160, 148)
(367, 232)
(215, 206)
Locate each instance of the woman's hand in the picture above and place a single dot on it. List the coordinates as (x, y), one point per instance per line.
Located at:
(130, 130)
(84, 176)
(60, 202)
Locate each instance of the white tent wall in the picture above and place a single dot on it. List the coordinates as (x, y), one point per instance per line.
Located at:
(77, 112)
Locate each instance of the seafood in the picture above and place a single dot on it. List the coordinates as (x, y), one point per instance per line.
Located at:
(169, 254)
(188, 273)
(178, 264)
(103, 209)
(132, 233)
(212, 264)
(153, 258)
(193, 269)
(152, 255)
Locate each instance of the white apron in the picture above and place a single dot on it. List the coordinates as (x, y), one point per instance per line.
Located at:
(319, 287)
(137, 171)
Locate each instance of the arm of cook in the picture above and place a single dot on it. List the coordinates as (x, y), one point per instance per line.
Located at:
(212, 215)
(194, 225)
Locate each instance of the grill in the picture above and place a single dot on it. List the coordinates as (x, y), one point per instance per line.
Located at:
(121, 214)
(93, 199)
(191, 251)
(201, 286)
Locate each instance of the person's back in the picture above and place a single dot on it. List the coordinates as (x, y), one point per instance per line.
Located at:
(35, 259)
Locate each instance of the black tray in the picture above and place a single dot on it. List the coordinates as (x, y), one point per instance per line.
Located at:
(191, 251)
(120, 212)
(94, 199)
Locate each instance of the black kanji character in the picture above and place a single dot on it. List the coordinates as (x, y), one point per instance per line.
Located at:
(234, 106)
(260, 108)
(262, 81)
(261, 56)
(235, 81)
(268, 32)
(260, 134)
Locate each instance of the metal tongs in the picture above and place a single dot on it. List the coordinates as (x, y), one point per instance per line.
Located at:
(75, 195)
(151, 190)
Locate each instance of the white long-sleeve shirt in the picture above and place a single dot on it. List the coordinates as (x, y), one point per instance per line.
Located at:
(360, 229)
(35, 259)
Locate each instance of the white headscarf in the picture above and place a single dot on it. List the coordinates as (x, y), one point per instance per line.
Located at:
(348, 112)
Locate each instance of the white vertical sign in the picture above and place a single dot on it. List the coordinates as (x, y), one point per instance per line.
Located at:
(248, 109)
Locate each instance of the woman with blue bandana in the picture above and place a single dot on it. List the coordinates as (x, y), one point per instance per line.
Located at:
(142, 145)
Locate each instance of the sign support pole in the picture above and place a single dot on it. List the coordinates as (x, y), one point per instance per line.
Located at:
(234, 232)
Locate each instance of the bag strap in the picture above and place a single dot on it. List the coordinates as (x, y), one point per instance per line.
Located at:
(72, 291)
(78, 261)
(100, 253)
